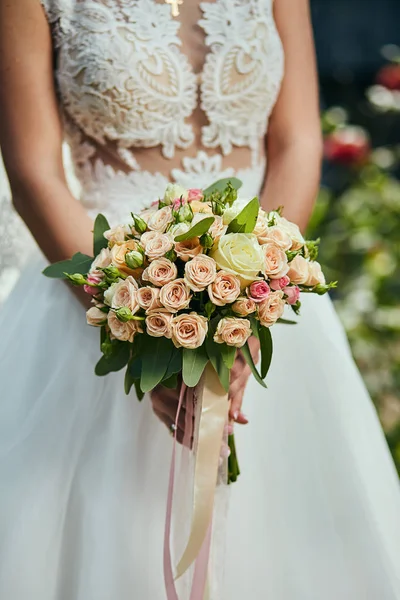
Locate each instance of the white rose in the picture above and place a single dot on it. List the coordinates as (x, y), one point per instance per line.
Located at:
(160, 220)
(241, 255)
(174, 191)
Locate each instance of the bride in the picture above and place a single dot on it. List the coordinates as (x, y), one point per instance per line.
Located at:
(145, 96)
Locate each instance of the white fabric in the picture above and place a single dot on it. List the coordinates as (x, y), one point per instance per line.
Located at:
(83, 468)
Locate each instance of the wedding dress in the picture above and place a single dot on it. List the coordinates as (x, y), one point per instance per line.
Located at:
(315, 515)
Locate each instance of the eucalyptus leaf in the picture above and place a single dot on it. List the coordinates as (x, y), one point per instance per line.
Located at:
(79, 263)
(249, 359)
(175, 363)
(286, 322)
(128, 381)
(194, 363)
(255, 325)
(139, 391)
(246, 220)
(99, 241)
(156, 355)
(116, 361)
(266, 348)
(197, 230)
(228, 354)
(171, 383)
(220, 185)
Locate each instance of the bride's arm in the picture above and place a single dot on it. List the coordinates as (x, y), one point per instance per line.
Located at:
(31, 133)
(294, 142)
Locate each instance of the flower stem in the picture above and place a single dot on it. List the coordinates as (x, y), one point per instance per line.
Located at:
(233, 465)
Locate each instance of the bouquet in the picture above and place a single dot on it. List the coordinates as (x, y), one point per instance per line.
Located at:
(178, 291)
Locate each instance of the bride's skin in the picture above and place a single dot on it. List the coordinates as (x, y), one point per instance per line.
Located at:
(31, 141)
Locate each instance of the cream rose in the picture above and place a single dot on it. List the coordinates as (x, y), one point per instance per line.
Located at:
(241, 255)
(278, 236)
(95, 317)
(315, 274)
(159, 323)
(293, 231)
(244, 306)
(118, 253)
(276, 264)
(225, 289)
(117, 235)
(200, 272)
(189, 331)
(102, 260)
(188, 249)
(298, 270)
(147, 298)
(160, 220)
(125, 332)
(125, 294)
(233, 332)
(160, 271)
(158, 246)
(271, 309)
(175, 295)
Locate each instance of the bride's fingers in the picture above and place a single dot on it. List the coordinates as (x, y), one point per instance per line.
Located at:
(236, 392)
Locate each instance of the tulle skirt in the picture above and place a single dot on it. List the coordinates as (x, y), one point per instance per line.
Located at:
(315, 514)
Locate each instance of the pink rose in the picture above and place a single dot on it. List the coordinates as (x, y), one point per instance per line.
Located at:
(159, 323)
(244, 306)
(276, 264)
(225, 289)
(271, 309)
(189, 331)
(258, 291)
(195, 194)
(279, 284)
(188, 249)
(233, 331)
(158, 246)
(93, 278)
(292, 293)
(147, 298)
(175, 295)
(160, 271)
(200, 272)
(125, 332)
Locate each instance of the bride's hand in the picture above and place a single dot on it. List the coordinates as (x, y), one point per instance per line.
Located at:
(239, 375)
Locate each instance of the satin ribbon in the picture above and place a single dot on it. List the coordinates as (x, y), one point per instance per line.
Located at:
(213, 401)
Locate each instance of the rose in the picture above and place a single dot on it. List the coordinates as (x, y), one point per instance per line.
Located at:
(271, 309)
(116, 235)
(195, 194)
(189, 331)
(159, 323)
(102, 260)
(125, 332)
(279, 284)
(233, 331)
(125, 294)
(160, 220)
(174, 191)
(292, 293)
(276, 264)
(231, 212)
(349, 145)
(315, 274)
(160, 271)
(158, 246)
(118, 252)
(244, 306)
(188, 249)
(225, 289)
(179, 229)
(95, 317)
(200, 272)
(147, 213)
(240, 254)
(93, 278)
(261, 229)
(175, 295)
(147, 237)
(201, 207)
(147, 298)
(279, 236)
(292, 230)
(217, 229)
(298, 270)
(258, 291)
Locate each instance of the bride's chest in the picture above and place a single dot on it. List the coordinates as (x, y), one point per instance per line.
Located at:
(130, 72)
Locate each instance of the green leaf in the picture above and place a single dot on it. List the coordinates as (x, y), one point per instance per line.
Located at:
(220, 185)
(197, 230)
(175, 363)
(128, 381)
(99, 241)
(194, 363)
(79, 263)
(156, 355)
(246, 219)
(139, 391)
(228, 354)
(255, 325)
(171, 383)
(117, 361)
(215, 356)
(249, 359)
(286, 322)
(266, 350)
(135, 367)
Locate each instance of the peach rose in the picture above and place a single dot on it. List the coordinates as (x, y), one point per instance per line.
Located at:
(118, 252)
(188, 249)
(189, 331)
(147, 213)
(175, 295)
(279, 236)
(225, 289)
(125, 332)
(200, 272)
(147, 237)
(233, 331)
(276, 264)
(244, 306)
(298, 270)
(261, 228)
(293, 231)
(201, 207)
(158, 246)
(160, 271)
(102, 260)
(160, 220)
(147, 298)
(315, 274)
(96, 317)
(159, 323)
(125, 294)
(271, 309)
(217, 229)
(117, 235)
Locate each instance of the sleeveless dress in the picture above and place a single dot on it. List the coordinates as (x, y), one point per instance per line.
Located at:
(315, 515)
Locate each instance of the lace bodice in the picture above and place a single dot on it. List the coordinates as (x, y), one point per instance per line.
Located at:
(147, 98)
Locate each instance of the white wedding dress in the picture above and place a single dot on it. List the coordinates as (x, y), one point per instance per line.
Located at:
(315, 514)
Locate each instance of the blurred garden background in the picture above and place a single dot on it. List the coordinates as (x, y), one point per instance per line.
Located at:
(358, 210)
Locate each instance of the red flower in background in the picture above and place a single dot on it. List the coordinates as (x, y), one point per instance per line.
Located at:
(347, 146)
(389, 77)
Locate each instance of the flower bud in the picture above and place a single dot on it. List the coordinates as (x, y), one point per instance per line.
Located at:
(217, 208)
(229, 195)
(124, 314)
(207, 240)
(112, 274)
(184, 214)
(76, 279)
(171, 255)
(134, 259)
(140, 224)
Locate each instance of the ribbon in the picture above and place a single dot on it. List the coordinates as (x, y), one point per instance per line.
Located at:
(213, 409)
